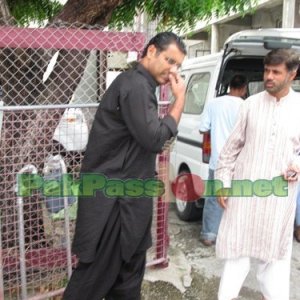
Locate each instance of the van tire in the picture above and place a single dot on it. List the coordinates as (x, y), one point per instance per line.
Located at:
(186, 210)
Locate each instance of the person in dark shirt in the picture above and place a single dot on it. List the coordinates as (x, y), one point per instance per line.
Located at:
(113, 227)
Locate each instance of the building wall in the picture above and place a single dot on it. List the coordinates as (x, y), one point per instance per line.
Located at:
(268, 18)
(227, 30)
(297, 14)
(197, 48)
(264, 18)
(268, 15)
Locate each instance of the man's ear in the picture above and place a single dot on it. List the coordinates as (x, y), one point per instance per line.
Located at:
(151, 51)
(293, 74)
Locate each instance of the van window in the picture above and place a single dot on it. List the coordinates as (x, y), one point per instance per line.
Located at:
(255, 87)
(196, 93)
(296, 85)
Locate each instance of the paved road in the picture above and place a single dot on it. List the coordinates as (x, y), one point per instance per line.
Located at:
(194, 272)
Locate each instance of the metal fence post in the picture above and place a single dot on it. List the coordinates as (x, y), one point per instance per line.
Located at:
(163, 201)
(27, 169)
(67, 219)
(162, 222)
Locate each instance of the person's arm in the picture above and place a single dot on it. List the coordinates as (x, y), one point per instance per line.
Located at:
(205, 122)
(229, 154)
(138, 106)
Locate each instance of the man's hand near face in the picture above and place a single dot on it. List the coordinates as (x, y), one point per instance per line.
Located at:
(178, 90)
(177, 85)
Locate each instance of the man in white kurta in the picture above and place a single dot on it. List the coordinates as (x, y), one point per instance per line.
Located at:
(263, 146)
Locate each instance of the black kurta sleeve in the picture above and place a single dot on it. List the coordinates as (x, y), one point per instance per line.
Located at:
(139, 111)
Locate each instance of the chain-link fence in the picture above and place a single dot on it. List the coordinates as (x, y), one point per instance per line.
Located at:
(52, 80)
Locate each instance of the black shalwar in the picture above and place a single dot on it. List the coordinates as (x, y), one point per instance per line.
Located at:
(113, 232)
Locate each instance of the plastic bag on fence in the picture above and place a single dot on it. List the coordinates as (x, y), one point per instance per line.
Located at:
(72, 209)
(72, 212)
(53, 184)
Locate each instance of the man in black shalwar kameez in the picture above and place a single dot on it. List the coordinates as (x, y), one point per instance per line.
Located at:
(113, 232)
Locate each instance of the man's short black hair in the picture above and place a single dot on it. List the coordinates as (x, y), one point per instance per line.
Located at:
(238, 81)
(288, 57)
(162, 40)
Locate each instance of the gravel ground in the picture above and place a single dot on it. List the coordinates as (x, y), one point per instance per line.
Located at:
(194, 272)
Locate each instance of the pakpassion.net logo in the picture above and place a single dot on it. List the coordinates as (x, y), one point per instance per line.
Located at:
(88, 185)
(190, 187)
(186, 187)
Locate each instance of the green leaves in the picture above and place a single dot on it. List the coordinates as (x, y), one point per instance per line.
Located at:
(38, 11)
(180, 15)
(177, 14)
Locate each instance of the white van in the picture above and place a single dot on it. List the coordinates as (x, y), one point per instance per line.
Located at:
(208, 77)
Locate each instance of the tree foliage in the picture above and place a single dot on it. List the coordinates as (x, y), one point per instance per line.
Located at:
(37, 11)
(179, 14)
